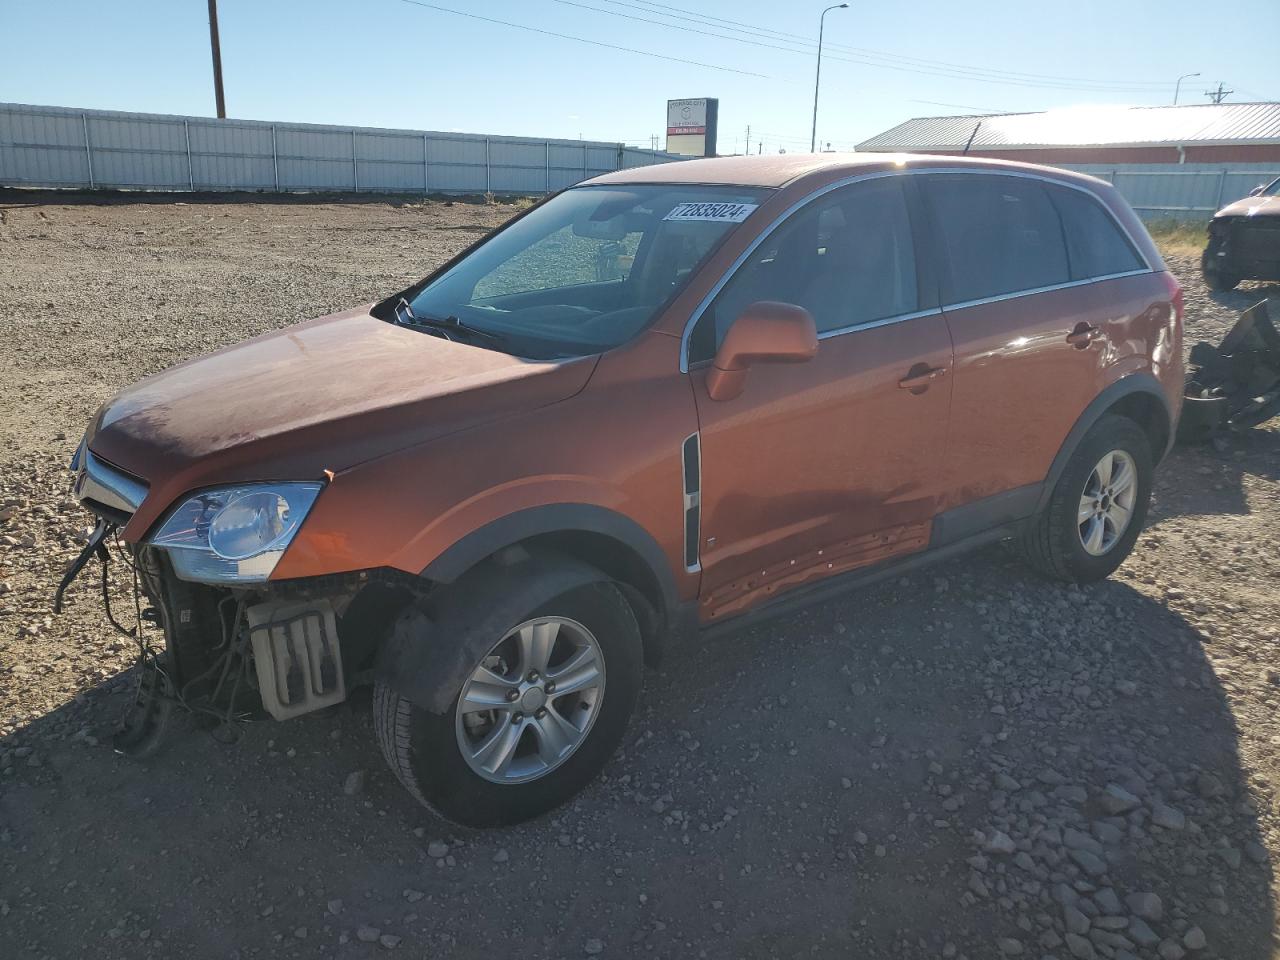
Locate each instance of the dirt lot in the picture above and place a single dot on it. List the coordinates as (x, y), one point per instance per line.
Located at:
(966, 763)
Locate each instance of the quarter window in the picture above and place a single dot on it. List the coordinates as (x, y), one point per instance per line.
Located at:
(847, 258)
(999, 235)
(1095, 245)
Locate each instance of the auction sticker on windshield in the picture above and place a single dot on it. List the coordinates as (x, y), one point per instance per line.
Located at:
(712, 212)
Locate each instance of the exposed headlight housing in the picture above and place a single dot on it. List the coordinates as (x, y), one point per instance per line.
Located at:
(232, 535)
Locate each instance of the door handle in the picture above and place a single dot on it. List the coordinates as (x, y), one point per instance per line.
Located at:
(920, 376)
(1082, 335)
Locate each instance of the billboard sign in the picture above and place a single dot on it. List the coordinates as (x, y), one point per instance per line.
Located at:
(691, 126)
(686, 117)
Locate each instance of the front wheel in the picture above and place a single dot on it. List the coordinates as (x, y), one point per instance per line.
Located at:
(534, 720)
(1097, 508)
(1215, 278)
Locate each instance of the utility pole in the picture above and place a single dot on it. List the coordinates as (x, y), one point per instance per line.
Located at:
(217, 60)
(748, 150)
(1217, 96)
(1178, 86)
(822, 19)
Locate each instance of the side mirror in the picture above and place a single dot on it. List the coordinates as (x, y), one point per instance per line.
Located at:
(765, 332)
(1257, 191)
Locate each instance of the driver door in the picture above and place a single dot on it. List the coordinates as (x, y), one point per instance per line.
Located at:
(823, 467)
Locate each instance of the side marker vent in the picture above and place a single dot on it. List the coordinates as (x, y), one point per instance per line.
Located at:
(692, 458)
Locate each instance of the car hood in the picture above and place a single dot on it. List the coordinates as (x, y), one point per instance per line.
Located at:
(1251, 207)
(317, 397)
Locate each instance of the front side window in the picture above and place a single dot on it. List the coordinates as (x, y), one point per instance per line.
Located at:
(587, 270)
(846, 257)
(999, 235)
(1095, 245)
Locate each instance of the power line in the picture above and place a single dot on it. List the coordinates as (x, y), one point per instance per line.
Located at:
(884, 59)
(594, 43)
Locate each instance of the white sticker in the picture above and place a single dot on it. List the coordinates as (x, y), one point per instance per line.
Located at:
(712, 212)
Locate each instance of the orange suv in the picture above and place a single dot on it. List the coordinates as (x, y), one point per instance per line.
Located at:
(661, 401)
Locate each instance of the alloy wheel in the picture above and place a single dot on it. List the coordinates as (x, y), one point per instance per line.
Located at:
(1107, 502)
(531, 701)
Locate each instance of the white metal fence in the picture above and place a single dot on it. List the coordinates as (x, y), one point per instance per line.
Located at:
(66, 147)
(1184, 191)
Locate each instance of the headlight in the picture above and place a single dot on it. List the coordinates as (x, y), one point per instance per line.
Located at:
(234, 534)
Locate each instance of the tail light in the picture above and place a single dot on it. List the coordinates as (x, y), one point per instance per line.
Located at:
(1175, 295)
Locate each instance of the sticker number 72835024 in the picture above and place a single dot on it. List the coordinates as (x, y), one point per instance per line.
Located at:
(712, 212)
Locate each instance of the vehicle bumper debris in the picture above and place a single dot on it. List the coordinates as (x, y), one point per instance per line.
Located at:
(1235, 385)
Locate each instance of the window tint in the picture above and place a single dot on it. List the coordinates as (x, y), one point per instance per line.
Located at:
(999, 234)
(1095, 245)
(847, 258)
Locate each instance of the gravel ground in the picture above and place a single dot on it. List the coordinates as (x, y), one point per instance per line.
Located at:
(969, 762)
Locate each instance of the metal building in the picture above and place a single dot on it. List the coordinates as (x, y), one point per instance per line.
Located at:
(1199, 133)
(1168, 162)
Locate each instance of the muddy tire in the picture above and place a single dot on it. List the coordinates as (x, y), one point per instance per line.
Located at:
(1098, 506)
(534, 721)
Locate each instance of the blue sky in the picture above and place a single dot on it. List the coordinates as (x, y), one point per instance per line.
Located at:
(391, 63)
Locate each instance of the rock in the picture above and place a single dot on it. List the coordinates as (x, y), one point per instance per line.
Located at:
(1005, 782)
(1194, 939)
(1107, 901)
(1255, 851)
(413, 896)
(390, 941)
(1080, 947)
(300, 933)
(1009, 947)
(1171, 818)
(593, 946)
(335, 907)
(1075, 840)
(1091, 863)
(999, 842)
(354, 783)
(1148, 906)
(1115, 799)
(501, 856)
(1209, 786)
(1075, 921)
(1141, 934)
(367, 934)
(1169, 950)
(437, 849)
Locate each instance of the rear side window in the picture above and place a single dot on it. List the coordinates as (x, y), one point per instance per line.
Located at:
(1095, 245)
(999, 235)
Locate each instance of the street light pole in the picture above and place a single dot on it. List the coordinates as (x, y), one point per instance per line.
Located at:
(217, 60)
(813, 138)
(1178, 86)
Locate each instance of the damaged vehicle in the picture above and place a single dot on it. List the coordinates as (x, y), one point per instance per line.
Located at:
(1244, 240)
(1235, 385)
(656, 405)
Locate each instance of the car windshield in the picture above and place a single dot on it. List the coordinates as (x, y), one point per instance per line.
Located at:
(587, 270)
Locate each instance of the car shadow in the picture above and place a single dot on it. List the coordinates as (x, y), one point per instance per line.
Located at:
(934, 761)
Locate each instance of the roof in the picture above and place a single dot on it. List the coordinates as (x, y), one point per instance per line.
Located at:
(783, 169)
(1093, 126)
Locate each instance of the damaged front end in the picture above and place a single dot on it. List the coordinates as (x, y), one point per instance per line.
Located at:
(1235, 385)
(215, 636)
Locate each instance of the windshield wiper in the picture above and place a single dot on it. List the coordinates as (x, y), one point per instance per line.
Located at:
(405, 317)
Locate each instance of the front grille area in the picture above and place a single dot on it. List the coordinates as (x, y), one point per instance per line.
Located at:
(104, 489)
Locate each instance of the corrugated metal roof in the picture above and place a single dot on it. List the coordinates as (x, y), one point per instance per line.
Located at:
(1093, 126)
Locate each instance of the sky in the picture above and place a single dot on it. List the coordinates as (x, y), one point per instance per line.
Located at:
(395, 63)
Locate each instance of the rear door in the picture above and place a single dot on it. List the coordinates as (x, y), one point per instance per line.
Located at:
(822, 467)
(1035, 323)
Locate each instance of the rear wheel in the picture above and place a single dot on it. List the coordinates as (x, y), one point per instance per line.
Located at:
(1097, 508)
(534, 720)
(1215, 278)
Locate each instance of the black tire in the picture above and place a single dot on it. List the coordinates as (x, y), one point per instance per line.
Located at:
(422, 748)
(1051, 541)
(1216, 279)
